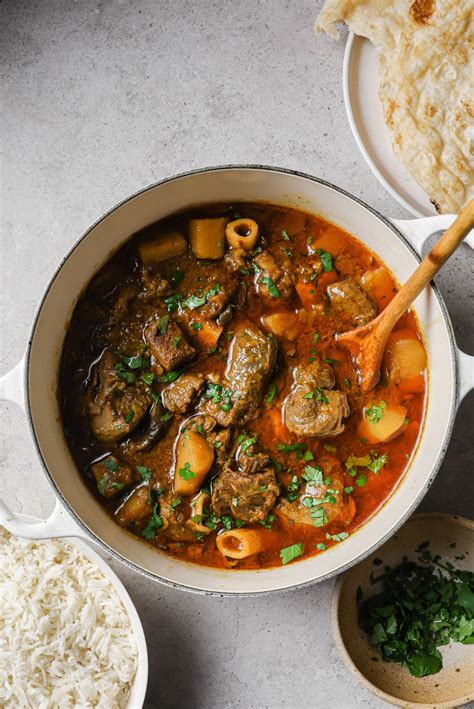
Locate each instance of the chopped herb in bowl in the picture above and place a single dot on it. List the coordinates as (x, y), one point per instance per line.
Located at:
(421, 608)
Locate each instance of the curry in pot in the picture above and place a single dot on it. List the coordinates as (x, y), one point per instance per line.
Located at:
(206, 402)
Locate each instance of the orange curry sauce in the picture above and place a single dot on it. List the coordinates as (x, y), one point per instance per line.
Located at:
(101, 321)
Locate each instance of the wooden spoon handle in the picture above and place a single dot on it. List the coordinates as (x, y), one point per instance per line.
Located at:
(430, 266)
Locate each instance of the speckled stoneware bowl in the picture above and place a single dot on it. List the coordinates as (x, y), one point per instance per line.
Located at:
(453, 539)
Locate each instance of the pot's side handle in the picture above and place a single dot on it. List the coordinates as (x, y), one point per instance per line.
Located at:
(465, 373)
(417, 231)
(11, 385)
(58, 524)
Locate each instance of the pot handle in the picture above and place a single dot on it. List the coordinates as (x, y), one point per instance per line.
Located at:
(417, 231)
(58, 524)
(465, 373)
(11, 385)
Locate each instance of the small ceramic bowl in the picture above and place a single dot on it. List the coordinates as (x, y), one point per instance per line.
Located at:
(453, 539)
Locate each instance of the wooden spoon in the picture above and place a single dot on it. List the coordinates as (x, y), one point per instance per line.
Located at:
(367, 343)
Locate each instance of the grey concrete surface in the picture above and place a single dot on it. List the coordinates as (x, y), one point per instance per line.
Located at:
(101, 97)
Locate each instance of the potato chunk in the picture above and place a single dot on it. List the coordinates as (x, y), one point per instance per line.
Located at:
(194, 458)
(161, 246)
(380, 285)
(381, 430)
(406, 361)
(207, 237)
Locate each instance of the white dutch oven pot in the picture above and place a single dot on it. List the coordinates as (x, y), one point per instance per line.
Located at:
(33, 383)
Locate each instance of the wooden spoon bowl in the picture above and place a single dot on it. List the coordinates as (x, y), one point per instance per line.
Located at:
(366, 344)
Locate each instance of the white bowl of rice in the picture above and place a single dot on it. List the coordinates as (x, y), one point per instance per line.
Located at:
(70, 635)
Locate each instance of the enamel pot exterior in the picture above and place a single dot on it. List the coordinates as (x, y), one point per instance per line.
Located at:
(232, 184)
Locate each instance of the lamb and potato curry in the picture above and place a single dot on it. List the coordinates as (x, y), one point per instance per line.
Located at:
(206, 402)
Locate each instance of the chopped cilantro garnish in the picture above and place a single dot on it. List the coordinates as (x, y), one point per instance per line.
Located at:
(173, 301)
(227, 521)
(147, 377)
(271, 393)
(162, 324)
(284, 234)
(319, 517)
(321, 546)
(144, 472)
(272, 289)
(297, 448)
(378, 463)
(124, 374)
(308, 456)
(177, 501)
(186, 472)
(169, 376)
(361, 480)
(129, 417)
(111, 464)
(348, 383)
(154, 523)
(134, 362)
(328, 360)
(316, 336)
(317, 394)
(196, 301)
(337, 537)
(313, 474)
(375, 412)
(247, 442)
(326, 259)
(268, 521)
(175, 340)
(167, 416)
(196, 326)
(292, 552)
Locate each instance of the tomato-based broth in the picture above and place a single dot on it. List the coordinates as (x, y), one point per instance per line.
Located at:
(206, 402)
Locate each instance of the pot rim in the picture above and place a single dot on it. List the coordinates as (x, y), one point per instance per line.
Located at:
(89, 533)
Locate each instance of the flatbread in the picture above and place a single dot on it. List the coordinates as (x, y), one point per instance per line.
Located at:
(426, 68)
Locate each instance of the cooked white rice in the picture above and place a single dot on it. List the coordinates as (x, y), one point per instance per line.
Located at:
(65, 637)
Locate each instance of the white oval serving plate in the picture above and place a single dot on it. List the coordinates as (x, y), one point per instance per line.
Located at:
(364, 111)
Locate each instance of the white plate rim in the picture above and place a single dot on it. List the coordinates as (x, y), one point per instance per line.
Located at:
(357, 137)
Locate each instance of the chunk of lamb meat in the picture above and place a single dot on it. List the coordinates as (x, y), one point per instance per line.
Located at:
(156, 424)
(179, 396)
(321, 504)
(220, 439)
(351, 304)
(251, 359)
(154, 286)
(136, 509)
(115, 407)
(169, 348)
(217, 301)
(174, 519)
(312, 408)
(112, 476)
(273, 276)
(249, 492)
(235, 259)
